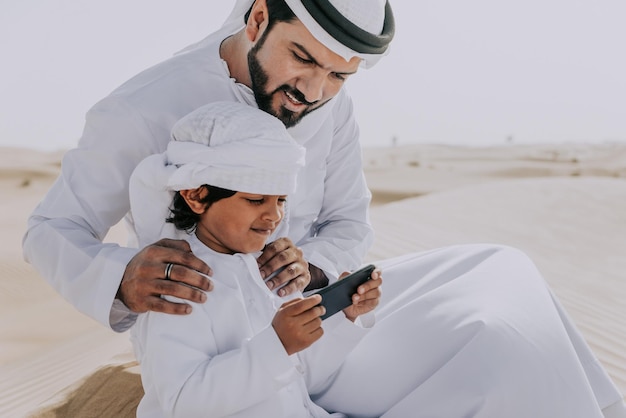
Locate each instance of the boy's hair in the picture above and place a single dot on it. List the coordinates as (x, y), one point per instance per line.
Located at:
(277, 10)
(184, 218)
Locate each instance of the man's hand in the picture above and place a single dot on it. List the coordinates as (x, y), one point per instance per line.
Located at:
(366, 297)
(144, 278)
(298, 324)
(283, 254)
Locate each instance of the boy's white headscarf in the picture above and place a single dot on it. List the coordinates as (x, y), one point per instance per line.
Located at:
(233, 146)
(225, 144)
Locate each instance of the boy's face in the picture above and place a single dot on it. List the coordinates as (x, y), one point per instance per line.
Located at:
(241, 223)
(292, 73)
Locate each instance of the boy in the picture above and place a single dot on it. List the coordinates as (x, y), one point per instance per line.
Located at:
(246, 352)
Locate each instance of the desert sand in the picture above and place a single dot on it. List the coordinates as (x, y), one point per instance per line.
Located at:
(564, 205)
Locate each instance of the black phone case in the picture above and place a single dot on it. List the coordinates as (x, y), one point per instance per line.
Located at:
(338, 295)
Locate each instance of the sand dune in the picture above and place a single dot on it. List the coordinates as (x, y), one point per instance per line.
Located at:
(45, 344)
(418, 170)
(563, 205)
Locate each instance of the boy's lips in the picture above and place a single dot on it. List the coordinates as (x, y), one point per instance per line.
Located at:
(263, 231)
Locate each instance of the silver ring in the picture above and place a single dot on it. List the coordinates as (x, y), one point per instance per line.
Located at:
(168, 270)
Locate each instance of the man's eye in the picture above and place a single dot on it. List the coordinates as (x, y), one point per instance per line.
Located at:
(302, 59)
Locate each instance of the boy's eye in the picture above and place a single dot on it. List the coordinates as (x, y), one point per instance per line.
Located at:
(255, 201)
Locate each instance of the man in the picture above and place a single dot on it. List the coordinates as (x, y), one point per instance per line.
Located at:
(483, 330)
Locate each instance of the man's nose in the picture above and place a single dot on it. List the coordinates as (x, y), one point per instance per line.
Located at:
(312, 87)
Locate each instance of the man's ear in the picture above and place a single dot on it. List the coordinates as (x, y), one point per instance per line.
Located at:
(194, 197)
(257, 21)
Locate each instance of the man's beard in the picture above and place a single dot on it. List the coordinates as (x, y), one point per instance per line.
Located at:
(263, 99)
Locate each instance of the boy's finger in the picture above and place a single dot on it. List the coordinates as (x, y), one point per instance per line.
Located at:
(303, 305)
(312, 314)
(369, 285)
(287, 304)
(312, 325)
(370, 294)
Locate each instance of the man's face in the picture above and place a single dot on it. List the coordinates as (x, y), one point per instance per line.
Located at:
(293, 74)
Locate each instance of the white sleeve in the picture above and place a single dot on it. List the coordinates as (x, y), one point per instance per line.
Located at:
(191, 380)
(342, 233)
(65, 232)
(324, 357)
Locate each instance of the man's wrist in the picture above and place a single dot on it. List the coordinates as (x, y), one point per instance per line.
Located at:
(318, 278)
(120, 317)
(118, 295)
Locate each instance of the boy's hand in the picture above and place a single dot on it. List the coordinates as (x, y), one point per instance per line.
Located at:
(366, 298)
(298, 324)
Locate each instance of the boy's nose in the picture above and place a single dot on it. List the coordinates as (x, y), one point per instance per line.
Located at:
(274, 214)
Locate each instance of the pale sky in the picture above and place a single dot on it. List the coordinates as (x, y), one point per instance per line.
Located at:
(459, 72)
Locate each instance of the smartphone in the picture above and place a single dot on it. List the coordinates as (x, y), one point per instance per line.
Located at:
(338, 295)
